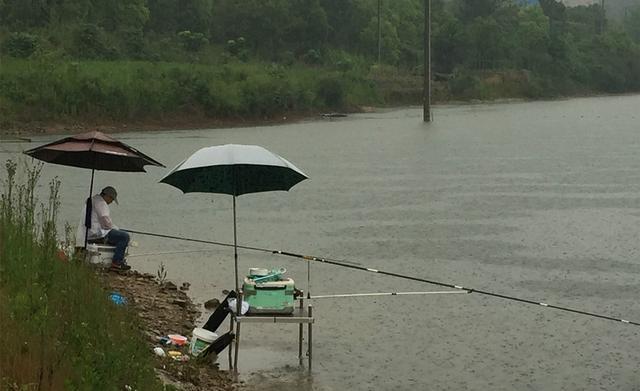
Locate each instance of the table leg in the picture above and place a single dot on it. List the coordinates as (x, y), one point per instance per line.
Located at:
(300, 328)
(230, 348)
(310, 337)
(235, 359)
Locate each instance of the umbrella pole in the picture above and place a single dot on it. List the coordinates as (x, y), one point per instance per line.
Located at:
(239, 297)
(235, 250)
(87, 212)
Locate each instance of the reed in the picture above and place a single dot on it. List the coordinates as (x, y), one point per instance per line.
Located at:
(59, 329)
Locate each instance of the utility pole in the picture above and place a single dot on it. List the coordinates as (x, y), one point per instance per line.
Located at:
(602, 17)
(379, 33)
(426, 92)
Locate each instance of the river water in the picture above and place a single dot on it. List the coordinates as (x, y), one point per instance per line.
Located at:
(535, 200)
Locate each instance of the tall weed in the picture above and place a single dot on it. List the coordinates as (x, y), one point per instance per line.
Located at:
(60, 330)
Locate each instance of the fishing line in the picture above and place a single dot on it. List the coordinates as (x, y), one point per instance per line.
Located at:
(168, 252)
(406, 277)
(224, 244)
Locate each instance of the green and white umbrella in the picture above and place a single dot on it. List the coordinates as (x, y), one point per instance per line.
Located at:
(235, 170)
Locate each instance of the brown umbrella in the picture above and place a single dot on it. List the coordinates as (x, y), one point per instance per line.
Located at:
(96, 151)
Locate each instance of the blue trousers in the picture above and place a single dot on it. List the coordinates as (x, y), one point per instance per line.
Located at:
(120, 239)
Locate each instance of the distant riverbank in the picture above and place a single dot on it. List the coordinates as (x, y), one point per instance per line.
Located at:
(71, 97)
(26, 129)
(40, 96)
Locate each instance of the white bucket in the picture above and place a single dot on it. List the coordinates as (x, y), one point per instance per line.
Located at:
(100, 254)
(201, 340)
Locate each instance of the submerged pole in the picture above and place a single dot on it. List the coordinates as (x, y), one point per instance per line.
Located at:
(426, 92)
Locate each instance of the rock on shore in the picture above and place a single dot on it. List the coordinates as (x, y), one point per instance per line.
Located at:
(163, 310)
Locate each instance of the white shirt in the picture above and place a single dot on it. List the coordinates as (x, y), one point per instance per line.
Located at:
(100, 221)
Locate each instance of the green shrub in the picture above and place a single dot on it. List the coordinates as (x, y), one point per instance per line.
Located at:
(331, 92)
(89, 41)
(20, 45)
(237, 48)
(266, 96)
(464, 84)
(345, 61)
(287, 58)
(192, 42)
(133, 44)
(312, 57)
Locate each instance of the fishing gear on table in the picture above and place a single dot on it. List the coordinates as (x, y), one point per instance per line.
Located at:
(397, 275)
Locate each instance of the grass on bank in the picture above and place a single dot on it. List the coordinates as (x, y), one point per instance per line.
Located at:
(41, 90)
(50, 91)
(59, 330)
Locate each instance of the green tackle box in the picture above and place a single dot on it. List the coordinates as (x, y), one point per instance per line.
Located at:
(272, 297)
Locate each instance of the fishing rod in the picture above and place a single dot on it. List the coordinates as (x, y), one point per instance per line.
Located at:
(221, 244)
(459, 287)
(383, 294)
(406, 277)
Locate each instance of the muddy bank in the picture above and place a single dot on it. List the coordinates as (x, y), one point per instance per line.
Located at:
(174, 123)
(22, 131)
(166, 309)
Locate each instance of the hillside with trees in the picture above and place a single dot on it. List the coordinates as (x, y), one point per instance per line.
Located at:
(133, 60)
(615, 9)
(619, 9)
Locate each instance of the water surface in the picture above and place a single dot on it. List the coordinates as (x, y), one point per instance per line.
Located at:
(535, 200)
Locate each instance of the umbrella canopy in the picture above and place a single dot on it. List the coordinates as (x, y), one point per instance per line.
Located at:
(96, 151)
(235, 170)
(93, 150)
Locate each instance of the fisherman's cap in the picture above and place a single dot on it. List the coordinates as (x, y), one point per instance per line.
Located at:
(111, 192)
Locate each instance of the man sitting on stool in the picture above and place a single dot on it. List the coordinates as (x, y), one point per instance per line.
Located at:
(102, 229)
